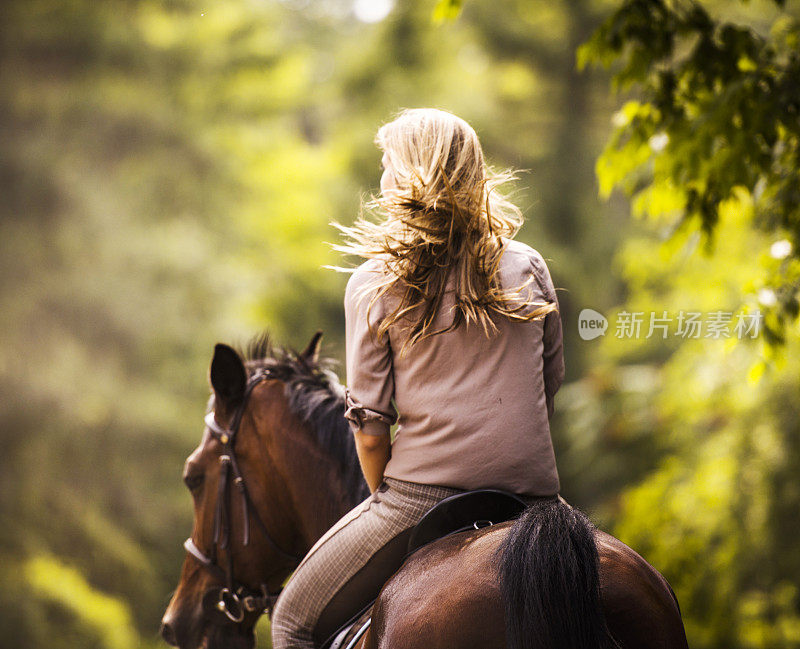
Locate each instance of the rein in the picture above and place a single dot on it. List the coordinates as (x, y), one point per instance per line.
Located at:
(235, 599)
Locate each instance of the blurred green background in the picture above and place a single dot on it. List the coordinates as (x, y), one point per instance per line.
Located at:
(168, 174)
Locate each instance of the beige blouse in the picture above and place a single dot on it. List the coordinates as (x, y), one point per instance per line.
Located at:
(473, 412)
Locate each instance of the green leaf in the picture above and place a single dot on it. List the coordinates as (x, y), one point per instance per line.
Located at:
(447, 10)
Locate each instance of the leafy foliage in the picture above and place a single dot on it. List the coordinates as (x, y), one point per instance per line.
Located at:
(717, 113)
(715, 512)
(169, 171)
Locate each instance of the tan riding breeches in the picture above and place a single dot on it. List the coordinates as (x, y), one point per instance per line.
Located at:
(347, 567)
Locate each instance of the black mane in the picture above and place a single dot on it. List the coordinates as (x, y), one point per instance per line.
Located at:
(316, 396)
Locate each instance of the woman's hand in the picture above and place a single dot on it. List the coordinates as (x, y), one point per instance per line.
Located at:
(374, 452)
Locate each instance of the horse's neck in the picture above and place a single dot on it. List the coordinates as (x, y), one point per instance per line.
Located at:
(318, 514)
(317, 490)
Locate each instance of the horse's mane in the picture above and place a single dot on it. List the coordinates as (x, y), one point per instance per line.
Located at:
(316, 396)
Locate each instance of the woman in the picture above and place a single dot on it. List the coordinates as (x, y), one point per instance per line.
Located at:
(453, 331)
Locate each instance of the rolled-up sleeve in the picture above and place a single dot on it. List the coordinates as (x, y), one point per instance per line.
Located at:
(370, 378)
(553, 337)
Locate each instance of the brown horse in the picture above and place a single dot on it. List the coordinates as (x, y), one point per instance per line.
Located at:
(277, 466)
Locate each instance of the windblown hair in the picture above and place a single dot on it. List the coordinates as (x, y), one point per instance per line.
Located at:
(444, 218)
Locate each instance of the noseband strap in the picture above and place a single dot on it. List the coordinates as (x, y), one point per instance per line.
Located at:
(235, 598)
(192, 549)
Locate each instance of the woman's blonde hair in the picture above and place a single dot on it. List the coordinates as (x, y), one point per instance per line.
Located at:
(445, 215)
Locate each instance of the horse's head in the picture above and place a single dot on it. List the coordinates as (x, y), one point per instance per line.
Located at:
(246, 537)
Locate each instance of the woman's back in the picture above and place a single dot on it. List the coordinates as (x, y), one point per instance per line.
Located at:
(473, 410)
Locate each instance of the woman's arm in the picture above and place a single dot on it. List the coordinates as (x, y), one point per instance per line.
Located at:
(374, 452)
(553, 356)
(553, 337)
(370, 379)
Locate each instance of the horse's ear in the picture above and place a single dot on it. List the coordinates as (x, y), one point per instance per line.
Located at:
(227, 375)
(311, 353)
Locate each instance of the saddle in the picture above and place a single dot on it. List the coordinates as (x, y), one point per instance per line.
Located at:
(459, 513)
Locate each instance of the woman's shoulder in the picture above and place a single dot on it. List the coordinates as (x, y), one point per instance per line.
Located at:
(523, 256)
(364, 277)
(366, 272)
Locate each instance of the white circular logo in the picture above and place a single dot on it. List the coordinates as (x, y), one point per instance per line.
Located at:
(591, 324)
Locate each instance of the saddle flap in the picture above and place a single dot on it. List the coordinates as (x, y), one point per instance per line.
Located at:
(349, 634)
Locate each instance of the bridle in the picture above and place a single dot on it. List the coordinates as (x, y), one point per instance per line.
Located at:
(235, 599)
